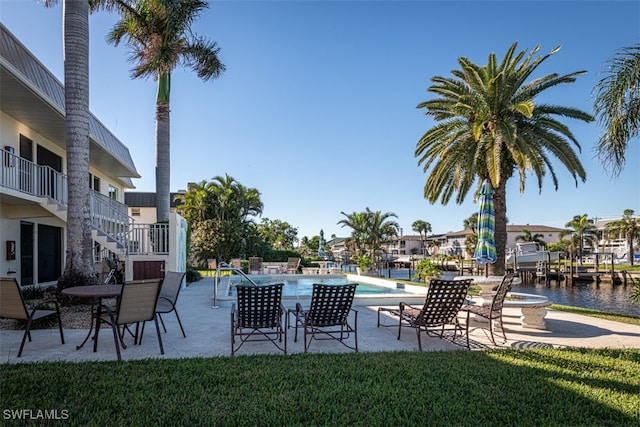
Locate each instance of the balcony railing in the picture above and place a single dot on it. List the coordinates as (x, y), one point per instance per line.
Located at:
(27, 177)
(145, 239)
(107, 215)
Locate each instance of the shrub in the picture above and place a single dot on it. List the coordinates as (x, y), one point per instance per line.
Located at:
(364, 262)
(425, 269)
(193, 275)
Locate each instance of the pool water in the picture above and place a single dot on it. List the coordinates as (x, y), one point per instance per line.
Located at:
(300, 286)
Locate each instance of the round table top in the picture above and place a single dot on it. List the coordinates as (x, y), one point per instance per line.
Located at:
(93, 291)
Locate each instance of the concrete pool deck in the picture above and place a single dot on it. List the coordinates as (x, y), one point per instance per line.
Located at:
(208, 335)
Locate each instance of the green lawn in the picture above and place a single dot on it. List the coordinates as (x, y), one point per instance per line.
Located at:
(508, 387)
(623, 318)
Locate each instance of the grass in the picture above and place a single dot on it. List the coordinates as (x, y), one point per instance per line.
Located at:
(508, 387)
(623, 318)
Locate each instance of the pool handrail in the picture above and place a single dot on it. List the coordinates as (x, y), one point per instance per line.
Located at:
(223, 266)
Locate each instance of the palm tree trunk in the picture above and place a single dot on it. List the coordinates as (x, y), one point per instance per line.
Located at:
(79, 267)
(500, 209)
(163, 150)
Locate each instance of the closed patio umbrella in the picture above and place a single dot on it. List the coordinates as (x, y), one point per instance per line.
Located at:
(485, 252)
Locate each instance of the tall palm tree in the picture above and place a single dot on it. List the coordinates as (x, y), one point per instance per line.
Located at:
(527, 236)
(421, 227)
(489, 127)
(159, 35)
(617, 106)
(79, 262)
(629, 227)
(582, 230)
(79, 267)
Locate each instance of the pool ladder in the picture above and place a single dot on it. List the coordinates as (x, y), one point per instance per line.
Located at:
(223, 266)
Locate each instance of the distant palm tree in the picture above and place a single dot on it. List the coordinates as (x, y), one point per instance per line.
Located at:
(526, 236)
(582, 231)
(381, 229)
(434, 243)
(423, 228)
(470, 243)
(629, 227)
(160, 37)
(471, 223)
(193, 203)
(357, 221)
(617, 106)
(232, 200)
(489, 127)
(370, 229)
(220, 214)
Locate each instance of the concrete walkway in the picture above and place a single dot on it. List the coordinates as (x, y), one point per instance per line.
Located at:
(208, 335)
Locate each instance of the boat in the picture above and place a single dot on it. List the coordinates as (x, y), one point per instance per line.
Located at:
(529, 254)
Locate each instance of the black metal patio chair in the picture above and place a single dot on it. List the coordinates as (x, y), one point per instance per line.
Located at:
(328, 315)
(444, 300)
(258, 316)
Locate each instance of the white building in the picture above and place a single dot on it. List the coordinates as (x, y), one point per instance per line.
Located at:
(33, 183)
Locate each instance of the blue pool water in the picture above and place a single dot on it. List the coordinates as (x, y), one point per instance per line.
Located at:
(301, 286)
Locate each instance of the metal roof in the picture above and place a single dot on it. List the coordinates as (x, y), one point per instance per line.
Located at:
(139, 199)
(34, 96)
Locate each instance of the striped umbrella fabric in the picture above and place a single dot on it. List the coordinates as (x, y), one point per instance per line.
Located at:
(486, 247)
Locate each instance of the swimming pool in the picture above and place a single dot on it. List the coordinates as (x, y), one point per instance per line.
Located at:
(302, 286)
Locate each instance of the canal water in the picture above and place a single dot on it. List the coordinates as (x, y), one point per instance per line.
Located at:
(598, 296)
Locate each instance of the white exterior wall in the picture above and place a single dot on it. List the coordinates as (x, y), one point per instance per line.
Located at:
(31, 211)
(147, 215)
(548, 237)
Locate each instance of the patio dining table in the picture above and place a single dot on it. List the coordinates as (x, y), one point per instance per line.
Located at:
(94, 293)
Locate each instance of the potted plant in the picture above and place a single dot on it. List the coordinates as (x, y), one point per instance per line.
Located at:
(426, 269)
(364, 264)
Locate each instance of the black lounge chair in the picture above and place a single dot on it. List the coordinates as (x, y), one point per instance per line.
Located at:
(328, 315)
(255, 265)
(12, 306)
(258, 316)
(444, 300)
(492, 312)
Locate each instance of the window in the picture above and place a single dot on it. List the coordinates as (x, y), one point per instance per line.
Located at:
(403, 243)
(26, 148)
(94, 182)
(135, 211)
(113, 192)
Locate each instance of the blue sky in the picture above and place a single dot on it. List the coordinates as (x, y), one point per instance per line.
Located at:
(317, 108)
